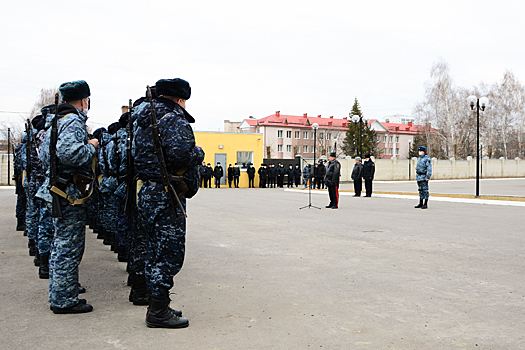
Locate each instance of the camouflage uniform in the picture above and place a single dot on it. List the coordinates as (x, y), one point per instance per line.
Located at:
(21, 199)
(45, 226)
(75, 155)
(424, 172)
(108, 185)
(166, 236)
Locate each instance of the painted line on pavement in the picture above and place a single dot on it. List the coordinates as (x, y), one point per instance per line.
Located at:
(432, 199)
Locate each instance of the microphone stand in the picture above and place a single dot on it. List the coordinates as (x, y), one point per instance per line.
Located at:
(310, 185)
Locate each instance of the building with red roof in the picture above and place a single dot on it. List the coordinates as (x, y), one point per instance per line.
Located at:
(286, 136)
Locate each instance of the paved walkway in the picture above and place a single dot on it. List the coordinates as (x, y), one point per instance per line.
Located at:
(262, 274)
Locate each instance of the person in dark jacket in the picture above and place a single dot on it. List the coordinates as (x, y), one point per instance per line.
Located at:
(202, 172)
(297, 175)
(357, 177)
(332, 181)
(272, 176)
(218, 172)
(281, 171)
(369, 169)
(263, 175)
(236, 175)
(321, 172)
(208, 173)
(230, 175)
(291, 175)
(251, 175)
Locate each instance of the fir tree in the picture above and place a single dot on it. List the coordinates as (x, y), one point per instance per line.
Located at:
(351, 144)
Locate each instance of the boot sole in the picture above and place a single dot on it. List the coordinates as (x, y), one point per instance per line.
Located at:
(153, 325)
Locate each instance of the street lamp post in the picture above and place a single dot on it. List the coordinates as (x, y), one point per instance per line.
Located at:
(481, 103)
(9, 156)
(359, 119)
(409, 160)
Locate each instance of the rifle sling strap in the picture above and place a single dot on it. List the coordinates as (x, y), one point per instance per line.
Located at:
(78, 201)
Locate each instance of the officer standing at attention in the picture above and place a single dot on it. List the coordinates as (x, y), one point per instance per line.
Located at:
(251, 175)
(164, 223)
(263, 175)
(218, 172)
(333, 172)
(297, 175)
(357, 177)
(369, 169)
(75, 156)
(424, 172)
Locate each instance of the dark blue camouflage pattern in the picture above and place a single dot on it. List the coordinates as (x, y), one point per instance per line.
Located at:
(166, 236)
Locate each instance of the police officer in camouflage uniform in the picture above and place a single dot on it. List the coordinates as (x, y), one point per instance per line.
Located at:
(423, 174)
(75, 156)
(166, 235)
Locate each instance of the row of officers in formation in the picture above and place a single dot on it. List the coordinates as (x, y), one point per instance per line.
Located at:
(129, 182)
(270, 175)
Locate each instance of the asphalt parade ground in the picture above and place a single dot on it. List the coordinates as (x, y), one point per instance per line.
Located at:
(262, 274)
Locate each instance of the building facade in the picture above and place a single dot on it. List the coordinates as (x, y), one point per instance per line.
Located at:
(287, 136)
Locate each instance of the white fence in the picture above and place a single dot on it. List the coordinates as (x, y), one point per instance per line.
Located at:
(398, 169)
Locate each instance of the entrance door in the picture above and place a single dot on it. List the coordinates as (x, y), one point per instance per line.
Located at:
(221, 158)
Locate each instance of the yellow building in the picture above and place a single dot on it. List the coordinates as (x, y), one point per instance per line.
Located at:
(230, 148)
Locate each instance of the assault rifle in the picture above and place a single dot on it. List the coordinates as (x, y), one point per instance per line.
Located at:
(29, 147)
(130, 193)
(157, 145)
(54, 174)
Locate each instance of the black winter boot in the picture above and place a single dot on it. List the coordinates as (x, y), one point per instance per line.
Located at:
(43, 270)
(160, 315)
(139, 291)
(36, 260)
(425, 205)
(20, 224)
(420, 204)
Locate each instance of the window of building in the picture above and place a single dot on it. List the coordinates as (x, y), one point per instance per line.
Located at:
(305, 149)
(384, 139)
(329, 149)
(288, 134)
(390, 139)
(397, 139)
(280, 134)
(328, 136)
(279, 148)
(321, 136)
(297, 134)
(313, 136)
(244, 158)
(378, 138)
(390, 151)
(397, 151)
(305, 135)
(289, 148)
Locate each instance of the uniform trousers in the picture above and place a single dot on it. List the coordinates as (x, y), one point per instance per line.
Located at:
(368, 187)
(358, 186)
(166, 237)
(422, 187)
(333, 192)
(66, 253)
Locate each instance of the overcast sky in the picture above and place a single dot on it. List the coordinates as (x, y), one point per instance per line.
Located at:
(247, 58)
